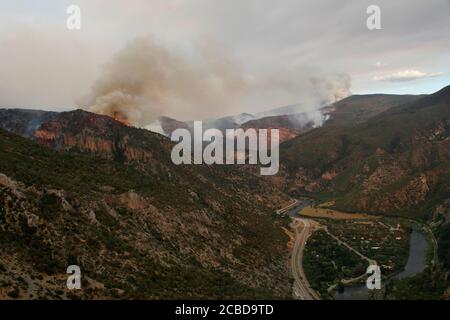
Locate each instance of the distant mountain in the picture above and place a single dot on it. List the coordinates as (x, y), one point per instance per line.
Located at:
(243, 118)
(351, 110)
(291, 121)
(280, 111)
(166, 125)
(229, 122)
(289, 126)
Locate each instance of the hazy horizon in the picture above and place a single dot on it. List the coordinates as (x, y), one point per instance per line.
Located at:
(195, 60)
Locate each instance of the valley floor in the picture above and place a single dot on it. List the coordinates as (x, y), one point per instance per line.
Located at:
(333, 249)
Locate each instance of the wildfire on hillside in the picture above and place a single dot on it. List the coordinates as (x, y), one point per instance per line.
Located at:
(119, 116)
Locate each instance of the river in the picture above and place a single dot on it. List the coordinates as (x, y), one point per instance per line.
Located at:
(416, 259)
(416, 263)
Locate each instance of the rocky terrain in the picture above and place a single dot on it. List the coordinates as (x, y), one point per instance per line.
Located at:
(395, 162)
(85, 189)
(94, 192)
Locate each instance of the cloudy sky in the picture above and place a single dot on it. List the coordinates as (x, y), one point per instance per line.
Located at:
(252, 55)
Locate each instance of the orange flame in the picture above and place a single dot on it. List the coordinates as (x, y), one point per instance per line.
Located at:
(118, 116)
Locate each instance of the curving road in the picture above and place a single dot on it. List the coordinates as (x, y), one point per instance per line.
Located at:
(302, 290)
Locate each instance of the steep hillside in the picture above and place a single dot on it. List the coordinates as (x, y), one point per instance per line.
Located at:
(396, 162)
(352, 110)
(24, 122)
(110, 200)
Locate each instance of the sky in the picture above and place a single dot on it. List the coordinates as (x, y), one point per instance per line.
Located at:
(220, 57)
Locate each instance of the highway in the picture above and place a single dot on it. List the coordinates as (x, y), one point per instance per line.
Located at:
(302, 290)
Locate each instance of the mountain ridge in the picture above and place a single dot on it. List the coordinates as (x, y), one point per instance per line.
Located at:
(384, 150)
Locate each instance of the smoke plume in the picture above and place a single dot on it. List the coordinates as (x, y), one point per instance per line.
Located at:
(326, 89)
(145, 80)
